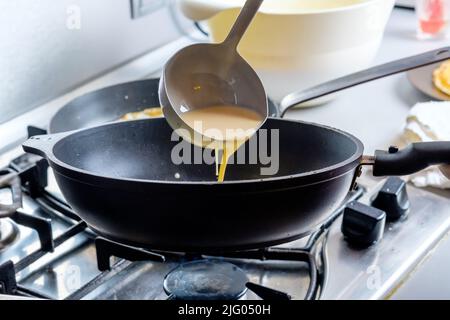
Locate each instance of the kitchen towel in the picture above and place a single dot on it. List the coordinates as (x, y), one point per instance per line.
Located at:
(429, 121)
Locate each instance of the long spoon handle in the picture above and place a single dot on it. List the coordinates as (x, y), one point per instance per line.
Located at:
(244, 19)
(367, 75)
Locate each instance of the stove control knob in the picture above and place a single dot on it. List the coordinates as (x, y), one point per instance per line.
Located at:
(392, 199)
(362, 225)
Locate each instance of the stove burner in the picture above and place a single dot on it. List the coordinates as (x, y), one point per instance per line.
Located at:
(8, 233)
(206, 280)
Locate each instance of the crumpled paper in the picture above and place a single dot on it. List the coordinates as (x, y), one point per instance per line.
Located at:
(429, 121)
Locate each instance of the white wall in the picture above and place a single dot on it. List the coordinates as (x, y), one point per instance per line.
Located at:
(40, 57)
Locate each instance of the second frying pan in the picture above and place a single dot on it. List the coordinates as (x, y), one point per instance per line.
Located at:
(109, 104)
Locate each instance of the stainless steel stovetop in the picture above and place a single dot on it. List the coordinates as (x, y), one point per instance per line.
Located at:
(338, 269)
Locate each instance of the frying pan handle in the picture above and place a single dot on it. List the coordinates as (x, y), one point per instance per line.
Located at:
(411, 159)
(42, 145)
(364, 76)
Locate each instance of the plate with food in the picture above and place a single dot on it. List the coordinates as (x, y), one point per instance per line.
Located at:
(432, 80)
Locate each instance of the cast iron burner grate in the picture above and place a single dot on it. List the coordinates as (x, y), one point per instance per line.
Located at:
(8, 233)
(106, 249)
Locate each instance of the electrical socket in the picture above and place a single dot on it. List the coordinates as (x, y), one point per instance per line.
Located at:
(141, 8)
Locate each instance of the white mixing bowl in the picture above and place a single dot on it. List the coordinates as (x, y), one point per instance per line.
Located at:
(295, 44)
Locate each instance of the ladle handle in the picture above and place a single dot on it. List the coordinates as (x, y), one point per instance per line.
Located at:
(244, 19)
(367, 75)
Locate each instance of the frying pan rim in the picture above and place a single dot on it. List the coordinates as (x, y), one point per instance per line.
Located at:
(88, 95)
(296, 186)
(341, 167)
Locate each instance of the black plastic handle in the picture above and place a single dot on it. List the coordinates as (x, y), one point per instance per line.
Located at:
(411, 159)
(364, 76)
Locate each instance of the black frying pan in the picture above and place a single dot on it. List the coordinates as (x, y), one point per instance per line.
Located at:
(120, 179)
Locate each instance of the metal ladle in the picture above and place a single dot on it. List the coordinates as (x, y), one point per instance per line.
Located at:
(205, 75)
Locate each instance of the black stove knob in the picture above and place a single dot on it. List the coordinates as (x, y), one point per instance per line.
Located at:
(362, 225)
(392, 199)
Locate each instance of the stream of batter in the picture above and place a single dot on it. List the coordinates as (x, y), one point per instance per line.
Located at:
(228, 127)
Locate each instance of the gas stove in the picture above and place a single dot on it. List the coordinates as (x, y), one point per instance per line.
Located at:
(47, 252)
(360, 252)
